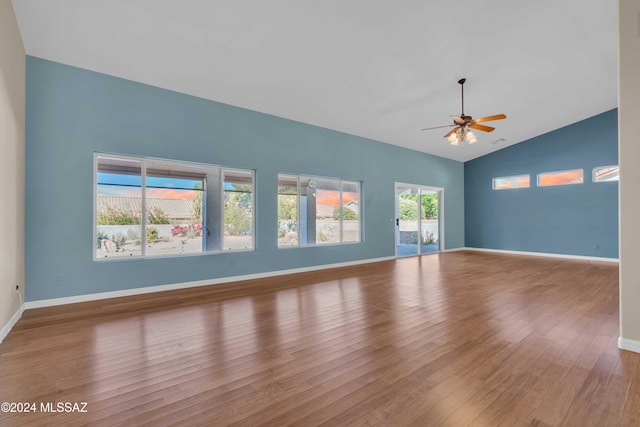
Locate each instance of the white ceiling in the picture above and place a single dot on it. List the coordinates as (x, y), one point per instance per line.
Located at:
(381, 70)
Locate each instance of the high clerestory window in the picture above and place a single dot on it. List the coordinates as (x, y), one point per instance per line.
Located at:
(606, 173)
(317, 211)
(150, 207)
(568, 177)
(511, 182)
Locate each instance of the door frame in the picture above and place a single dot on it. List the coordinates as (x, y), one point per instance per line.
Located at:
(396, 216)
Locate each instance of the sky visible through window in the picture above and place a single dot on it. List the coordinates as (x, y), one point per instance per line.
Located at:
(509, 182)
(560, 178)
(332, 198)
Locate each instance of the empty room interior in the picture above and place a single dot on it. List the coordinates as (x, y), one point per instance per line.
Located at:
(320, 213)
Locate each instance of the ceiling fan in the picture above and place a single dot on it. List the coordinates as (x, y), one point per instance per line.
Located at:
(462, 124)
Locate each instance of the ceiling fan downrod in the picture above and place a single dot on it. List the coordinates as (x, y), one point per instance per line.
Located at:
(461, 81)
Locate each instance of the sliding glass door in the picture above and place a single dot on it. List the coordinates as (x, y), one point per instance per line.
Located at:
(418, 219)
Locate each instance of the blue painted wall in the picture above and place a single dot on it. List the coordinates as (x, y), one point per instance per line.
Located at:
(71, 113)
(569, 219)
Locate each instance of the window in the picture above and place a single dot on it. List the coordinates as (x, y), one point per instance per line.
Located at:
(173, 203)
(606, 173)
(350, 212)
(288, 211)
(509, 182)
(151, 207)
(317, 211)
(548, 179)
(238, 210)
(119, 207)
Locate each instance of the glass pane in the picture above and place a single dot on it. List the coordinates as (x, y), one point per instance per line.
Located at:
(327, 210)
(287, 210)
(118, 208)
(238, 210)
(430, 225)
(509, 182)
(350, 211)
(174, 195)
(560, 178)
(408, 234)
(606, 174)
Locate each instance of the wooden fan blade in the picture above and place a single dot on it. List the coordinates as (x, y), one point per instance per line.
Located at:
(481, 127)
(489, 118)
(438, 127)
(451, 132)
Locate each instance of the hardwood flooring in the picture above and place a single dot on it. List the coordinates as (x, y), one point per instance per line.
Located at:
(455, 339)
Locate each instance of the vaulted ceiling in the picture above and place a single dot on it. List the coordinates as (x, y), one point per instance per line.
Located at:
(381, 70)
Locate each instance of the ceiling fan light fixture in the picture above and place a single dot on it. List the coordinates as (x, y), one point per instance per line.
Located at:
(470, 137)
(454, 139)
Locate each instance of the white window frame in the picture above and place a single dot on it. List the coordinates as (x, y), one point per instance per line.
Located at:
(298, 177)
(493, 181)
(143, 220)
(593, 173)
(223, 172)
(560, 171)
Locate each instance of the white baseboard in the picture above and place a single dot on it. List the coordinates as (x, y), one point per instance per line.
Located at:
(627, 344)
(544, 254)
(184, 285)
(7, 328)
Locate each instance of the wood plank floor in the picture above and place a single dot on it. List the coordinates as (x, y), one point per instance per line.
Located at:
(455, 339)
